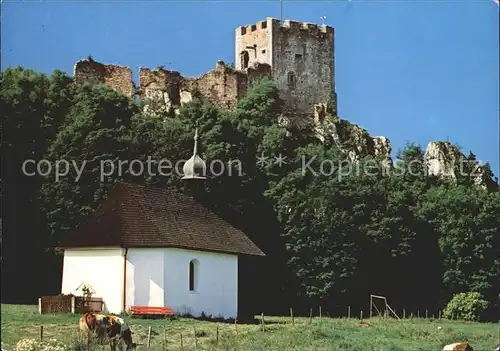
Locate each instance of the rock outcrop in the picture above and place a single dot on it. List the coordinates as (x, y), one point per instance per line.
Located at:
(353, 140)
(458, 346)
(445, 161)
(441, 158)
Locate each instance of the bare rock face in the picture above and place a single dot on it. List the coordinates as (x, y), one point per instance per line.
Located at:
(458, 346)
(186, 97)
(158, 103)
(353, 140)
(444, 160)
(441, 158)
(382, 150)
(382, 146)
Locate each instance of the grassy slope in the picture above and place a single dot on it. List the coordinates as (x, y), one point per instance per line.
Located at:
(19, 322)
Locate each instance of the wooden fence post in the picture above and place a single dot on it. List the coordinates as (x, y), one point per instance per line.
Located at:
(195, 338)
(361, 315)
(41, 333)
(320, 314)
(291, 316)
(164, 338)
(499, 327)
(348, 311)
(73, 303)
(310, 316)
(439, 314)
(40, 305)
(149, 336)
(426, 313)
(262, 327)
(404, 313)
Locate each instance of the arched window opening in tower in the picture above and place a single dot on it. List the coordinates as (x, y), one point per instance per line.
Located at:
(291, 80)
(244, 59)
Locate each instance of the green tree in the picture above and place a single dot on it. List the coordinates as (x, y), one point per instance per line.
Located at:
(95, 138)
(33, 106)
(468, 225)
(408, 184)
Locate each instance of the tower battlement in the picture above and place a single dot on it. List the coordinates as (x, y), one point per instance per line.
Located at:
(288, 25)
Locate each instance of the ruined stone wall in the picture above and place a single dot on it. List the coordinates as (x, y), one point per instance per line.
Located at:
(303, 65)
(222, 86)
(298, 56)
(255, 74)
(151, 82)
(160, 89)
(116, 77)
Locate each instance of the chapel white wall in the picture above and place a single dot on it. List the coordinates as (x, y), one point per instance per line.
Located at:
(145, 278)
(160, 277)
(102, 269)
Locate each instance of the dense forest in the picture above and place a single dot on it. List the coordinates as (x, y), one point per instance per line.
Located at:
(331, 239)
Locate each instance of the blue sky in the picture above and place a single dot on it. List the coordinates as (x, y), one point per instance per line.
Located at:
(409, 70)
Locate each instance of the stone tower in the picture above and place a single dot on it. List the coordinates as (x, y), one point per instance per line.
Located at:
(301, 56)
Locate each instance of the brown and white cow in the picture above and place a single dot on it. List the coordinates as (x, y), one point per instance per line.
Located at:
(119, 333)
(105, 327)
(93, 325)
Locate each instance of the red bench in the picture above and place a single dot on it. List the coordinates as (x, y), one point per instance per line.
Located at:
(148, 311)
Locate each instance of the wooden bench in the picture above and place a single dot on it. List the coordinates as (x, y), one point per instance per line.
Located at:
(148, 311)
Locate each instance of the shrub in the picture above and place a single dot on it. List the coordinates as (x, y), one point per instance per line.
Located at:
(27, 345)
(34, 345)
(466, 306)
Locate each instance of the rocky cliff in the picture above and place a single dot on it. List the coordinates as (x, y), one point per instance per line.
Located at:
(441, 158)
(353, 140)
(445, 161)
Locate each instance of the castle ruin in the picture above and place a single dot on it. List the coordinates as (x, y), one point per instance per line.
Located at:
(117, 77)
(299, 57)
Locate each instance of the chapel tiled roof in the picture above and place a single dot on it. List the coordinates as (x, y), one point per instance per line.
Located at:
(135, 216)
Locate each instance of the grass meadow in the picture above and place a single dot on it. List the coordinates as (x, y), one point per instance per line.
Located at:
(23, 322)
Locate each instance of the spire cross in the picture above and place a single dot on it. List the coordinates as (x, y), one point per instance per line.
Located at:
(281, 11)
(195, 149)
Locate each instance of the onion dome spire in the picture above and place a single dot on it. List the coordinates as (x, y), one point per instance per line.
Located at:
(195, 167)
